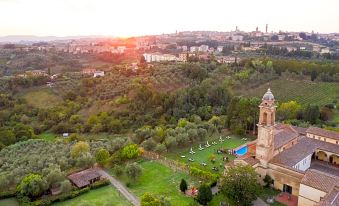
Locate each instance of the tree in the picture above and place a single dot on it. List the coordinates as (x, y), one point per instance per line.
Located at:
(79, 148)
(130, 151)
(212, 158)
(183, 185)
(102, 156)
(32, 185)
(288, 110)
(54, 176)
(204, 194)
(65, 186)
(133, 171)
(240, 185)
(311, 113)
(147, 199)
(268, 180)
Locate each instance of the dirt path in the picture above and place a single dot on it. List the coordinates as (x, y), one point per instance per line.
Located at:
(120, 187)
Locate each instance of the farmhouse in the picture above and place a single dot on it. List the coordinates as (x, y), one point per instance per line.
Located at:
(303, 163)
(84, 178)
(99, 74)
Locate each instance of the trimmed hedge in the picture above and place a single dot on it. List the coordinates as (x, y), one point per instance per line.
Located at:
(196, 172)
(7, 194)
(100, 183)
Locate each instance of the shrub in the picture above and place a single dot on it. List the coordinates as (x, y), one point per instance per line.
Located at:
(7, 194)
(100, 183)
(183, 185)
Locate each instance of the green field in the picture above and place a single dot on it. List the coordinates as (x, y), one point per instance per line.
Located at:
(47, 136)
(203, 155)
(304, 92)
(9, 202)
(105, 196)
(40, 97)
(161, 180)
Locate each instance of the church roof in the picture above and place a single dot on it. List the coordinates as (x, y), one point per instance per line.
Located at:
(283, 134)
(268, 95)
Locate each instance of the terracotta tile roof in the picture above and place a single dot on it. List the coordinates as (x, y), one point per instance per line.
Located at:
(323, 132)
(320, 180)
(251, 160)
(81, 179)
(331, 199)
(300, 130)
(283, 137)
(302, 149)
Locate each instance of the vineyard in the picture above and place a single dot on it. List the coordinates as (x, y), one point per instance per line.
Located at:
(304, 92)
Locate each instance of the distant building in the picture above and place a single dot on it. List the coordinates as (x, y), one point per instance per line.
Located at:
(157, 57)
(182, 57)
(237, 37)
(325, 50)
(203, 48)
(88, 71)
(36, 73)
(99, 74)
(194, 49)
(227, 59)
(220, 48)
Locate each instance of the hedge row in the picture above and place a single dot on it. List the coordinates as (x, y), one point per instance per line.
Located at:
(205, 175)
(63, 197)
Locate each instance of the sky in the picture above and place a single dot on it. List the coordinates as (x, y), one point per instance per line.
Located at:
(140, 17)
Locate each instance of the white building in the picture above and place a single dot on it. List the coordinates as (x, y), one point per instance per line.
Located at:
(237, 37)
(194, 49)
(203, 48)
(157, 57)
(220, 48)
(99, 74)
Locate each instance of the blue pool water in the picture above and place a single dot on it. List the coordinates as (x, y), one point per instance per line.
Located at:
(241, 151)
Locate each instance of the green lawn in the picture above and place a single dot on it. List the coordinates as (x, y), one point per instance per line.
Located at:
(203, 155)
(47, 136)
(304, 92)
(9, 202)
(105, 196)
(161, 180)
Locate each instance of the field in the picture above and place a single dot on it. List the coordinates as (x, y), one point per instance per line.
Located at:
(304, 92)
(41, 97)
(203, 155)
(105, 196)
(161, 180)
(47, 136)
(9, 202)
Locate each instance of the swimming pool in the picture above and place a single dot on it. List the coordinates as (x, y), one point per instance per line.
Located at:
(242, 151)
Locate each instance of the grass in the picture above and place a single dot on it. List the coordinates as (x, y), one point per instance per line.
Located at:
(40, 97)
(203, 156)
(105, 196)
(47, 136)
(162, 181)
(304, 92)
(9, 202)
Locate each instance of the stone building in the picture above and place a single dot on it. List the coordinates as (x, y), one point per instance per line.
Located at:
(303, 162)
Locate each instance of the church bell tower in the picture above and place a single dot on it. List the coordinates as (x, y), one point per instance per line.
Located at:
(265, 141)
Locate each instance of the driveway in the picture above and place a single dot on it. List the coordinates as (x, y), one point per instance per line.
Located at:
(120, 187)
